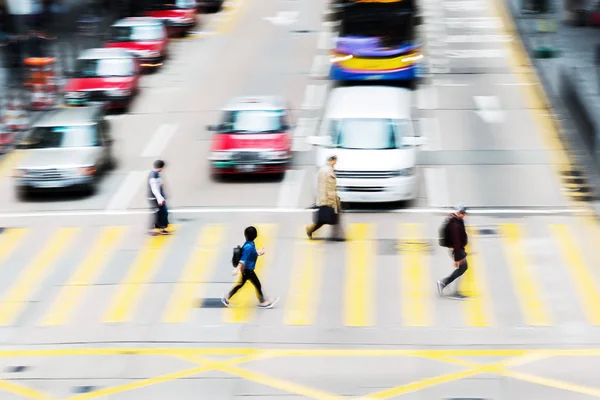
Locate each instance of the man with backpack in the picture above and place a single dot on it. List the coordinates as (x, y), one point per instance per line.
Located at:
(244, 261)
(453, 235)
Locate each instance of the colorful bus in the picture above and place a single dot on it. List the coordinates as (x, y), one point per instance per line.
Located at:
(377, 41)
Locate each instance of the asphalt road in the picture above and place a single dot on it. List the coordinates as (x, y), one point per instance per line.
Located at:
(92, 308)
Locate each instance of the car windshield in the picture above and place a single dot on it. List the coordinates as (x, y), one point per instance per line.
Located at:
(136, 33)
(390, 22)
(252, 121)
(105, 68)
(171, 5)
(367, 134)
(62, 137)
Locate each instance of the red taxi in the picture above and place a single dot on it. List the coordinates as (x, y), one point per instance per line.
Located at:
(108, 75)
(254, 136)
(145, 38)
(179, 16)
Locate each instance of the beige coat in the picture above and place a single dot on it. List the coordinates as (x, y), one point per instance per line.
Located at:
(327, 189)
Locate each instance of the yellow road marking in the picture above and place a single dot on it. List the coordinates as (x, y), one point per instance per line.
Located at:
(131, 289)
(243, 305)
(305, 284)
(360, 276)
(32, 277)
(197, 271)
(275, 383)
(22, 391)
(554, 383)
(477, 308)
(9, 240)
(9, 162)
(70, 296)
(235, 11)
(527, 289)
(414, 283)
(582, 277)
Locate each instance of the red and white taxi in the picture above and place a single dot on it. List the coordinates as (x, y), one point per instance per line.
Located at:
(179, 16)
(108, 75)
(254, 136)
(146, 38)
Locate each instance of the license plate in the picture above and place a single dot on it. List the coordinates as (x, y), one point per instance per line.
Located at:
(374, 77)
(47, 185)
(247, 167)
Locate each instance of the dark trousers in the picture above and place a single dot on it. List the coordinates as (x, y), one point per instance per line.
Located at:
(248, 275)
(161, 216)
(457, 273)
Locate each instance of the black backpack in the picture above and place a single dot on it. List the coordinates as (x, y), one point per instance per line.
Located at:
(237, 256)
(444, 237)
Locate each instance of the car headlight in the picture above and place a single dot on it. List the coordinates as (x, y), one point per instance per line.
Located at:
(119, 92)
(221, 155)
(85, 171)
(406, 171)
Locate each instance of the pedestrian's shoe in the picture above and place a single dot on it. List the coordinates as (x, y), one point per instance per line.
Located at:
(152, 233)
(225, 301)
(459, 296)
(338, 239)
(440, 287)
(268, 303)
(164, 232)
(308, 232)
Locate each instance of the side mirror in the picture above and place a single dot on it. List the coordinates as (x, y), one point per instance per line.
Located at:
(319, 141)
(212, 128)
(414, 141)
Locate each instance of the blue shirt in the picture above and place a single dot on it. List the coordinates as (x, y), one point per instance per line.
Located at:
(249, 256)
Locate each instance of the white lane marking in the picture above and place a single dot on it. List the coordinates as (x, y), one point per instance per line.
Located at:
(208, 210)
(289, 194)
(437, 187)
(159, 140)
(488, 109)
(517, 84)
(320, 67)
(114, 117)
(441, 82)
(474, 23)
(477, 53)
(430, 129)
(314, 97)
(126, 191)
(325, 40)
(478, 39)
(464, 5)
(283, 18)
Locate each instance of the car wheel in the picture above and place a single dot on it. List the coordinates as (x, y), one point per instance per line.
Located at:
(91, 189)
(22, 194)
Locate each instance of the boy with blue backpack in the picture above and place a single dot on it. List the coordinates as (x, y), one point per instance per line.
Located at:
(244, 262)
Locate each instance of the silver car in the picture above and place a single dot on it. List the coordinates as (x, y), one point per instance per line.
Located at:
(69, 148)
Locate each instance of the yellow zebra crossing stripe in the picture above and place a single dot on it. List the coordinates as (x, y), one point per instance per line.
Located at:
(360, 276)
(132, 288)
(33, 276)
(415, 284)
(527, 289)
(70, 296)
(583, 279)
(243, 303)
(197, 271)
(477, 310)
(9, 241)
(305, 284)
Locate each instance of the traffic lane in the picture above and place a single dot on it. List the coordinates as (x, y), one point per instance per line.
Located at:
(472, 129)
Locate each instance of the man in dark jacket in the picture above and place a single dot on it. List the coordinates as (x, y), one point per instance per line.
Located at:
(158, 199)
(458, 241)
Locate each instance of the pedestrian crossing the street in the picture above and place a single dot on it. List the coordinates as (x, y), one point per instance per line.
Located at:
(529, 272)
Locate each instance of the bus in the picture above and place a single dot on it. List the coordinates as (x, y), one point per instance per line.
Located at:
(377, 41)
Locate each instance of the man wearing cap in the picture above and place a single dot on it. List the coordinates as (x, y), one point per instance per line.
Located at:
(458, 240)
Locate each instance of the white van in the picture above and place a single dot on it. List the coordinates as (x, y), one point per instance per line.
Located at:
(370, 130)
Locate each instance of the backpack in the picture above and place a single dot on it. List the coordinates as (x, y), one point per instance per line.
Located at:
(444, 236)
(237, 256)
